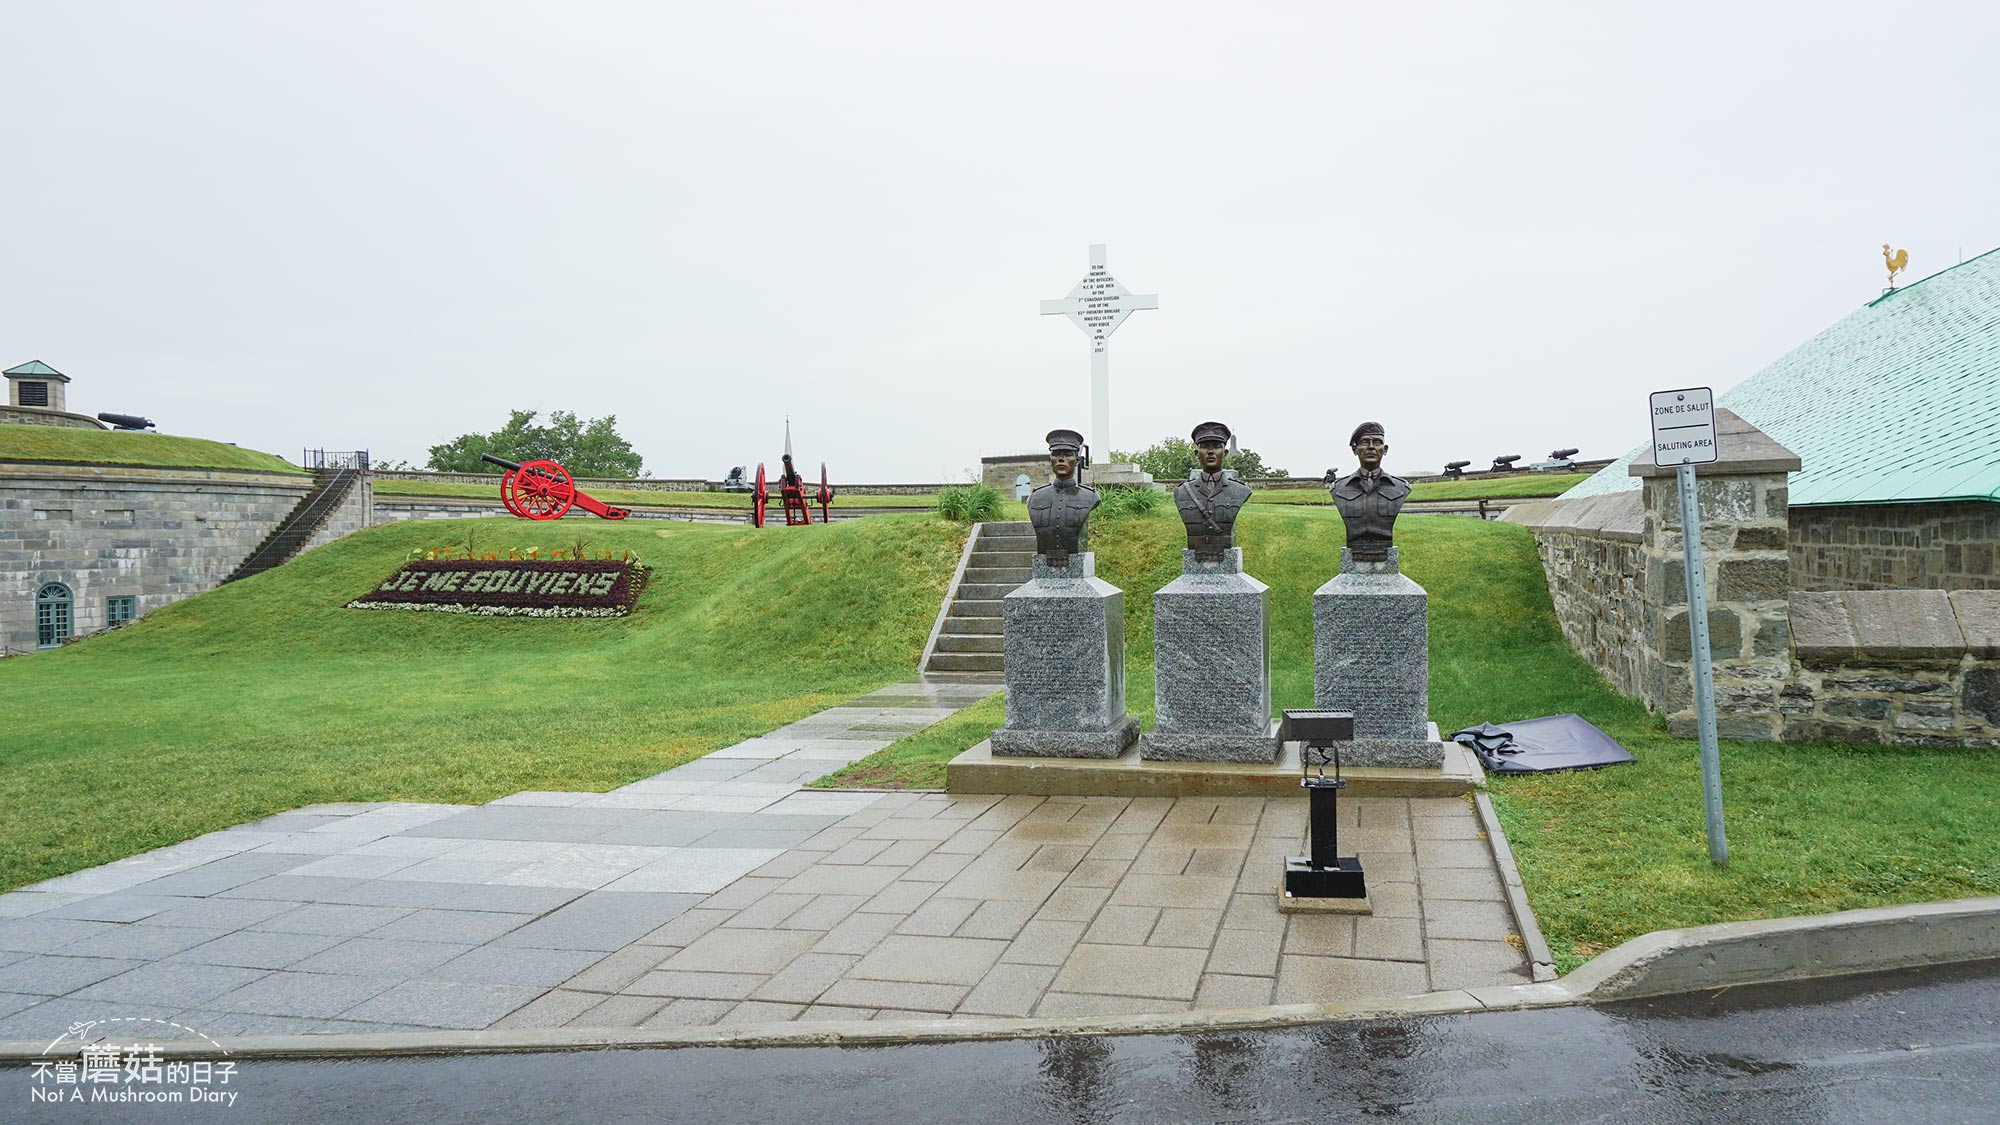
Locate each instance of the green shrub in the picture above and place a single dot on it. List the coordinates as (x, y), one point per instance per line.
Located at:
(1127, 500)
(968, 503)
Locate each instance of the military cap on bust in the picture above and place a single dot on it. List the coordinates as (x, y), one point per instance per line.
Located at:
(1064, 439)
(1211, 431)
(1364, 429)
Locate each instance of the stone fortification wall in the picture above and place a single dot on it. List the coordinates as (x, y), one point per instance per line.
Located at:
(31, 416)
(157, 535)
(662, 484)
(1948, 546)
(1911, 667)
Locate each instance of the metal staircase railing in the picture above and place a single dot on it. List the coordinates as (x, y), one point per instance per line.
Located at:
(335, 476)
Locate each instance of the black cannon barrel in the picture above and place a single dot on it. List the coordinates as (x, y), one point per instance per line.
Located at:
(1456, 464)
(500, 461)
(126, 421)
(1559, 454)
(1507, 460)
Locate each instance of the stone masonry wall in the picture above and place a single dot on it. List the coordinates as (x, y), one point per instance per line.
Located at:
(1912, 667)
(158, 535)
(1948, 546)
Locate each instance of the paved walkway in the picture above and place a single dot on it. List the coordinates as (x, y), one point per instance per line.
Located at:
(721, 893)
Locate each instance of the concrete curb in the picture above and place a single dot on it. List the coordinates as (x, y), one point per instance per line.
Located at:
(1666, 961)
(1541, 962)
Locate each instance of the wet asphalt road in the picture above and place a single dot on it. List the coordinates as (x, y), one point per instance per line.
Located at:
(1910, 1047)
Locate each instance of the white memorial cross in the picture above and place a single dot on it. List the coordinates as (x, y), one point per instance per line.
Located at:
(1099, 305)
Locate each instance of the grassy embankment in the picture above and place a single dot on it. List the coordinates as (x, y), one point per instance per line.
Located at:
(1607, 854)
(111, 447)
(1474, 487)
(265, 695)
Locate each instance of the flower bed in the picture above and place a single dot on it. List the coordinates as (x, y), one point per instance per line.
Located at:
(511, 587)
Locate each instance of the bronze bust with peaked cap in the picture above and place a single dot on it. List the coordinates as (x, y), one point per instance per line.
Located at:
(1059, 509)
(1209, 500)
(1368, 498)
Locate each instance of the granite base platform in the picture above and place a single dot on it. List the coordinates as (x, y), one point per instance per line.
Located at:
(979, 770)
(1211, 664)
(1411, 753)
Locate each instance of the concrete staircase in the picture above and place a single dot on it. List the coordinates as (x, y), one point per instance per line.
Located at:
(967, 642)
(330, 486)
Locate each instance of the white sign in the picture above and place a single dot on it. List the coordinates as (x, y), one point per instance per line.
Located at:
(1098, 305)
(1684, 427)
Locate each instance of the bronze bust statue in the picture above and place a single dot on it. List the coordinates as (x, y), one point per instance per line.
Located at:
(1209, 500)
(1059, 509)
(1368, 498)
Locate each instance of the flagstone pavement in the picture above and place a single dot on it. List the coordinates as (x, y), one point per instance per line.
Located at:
(721, 892)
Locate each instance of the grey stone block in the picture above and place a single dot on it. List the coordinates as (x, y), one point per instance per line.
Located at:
(603, 920)
(471, 927)
(171, 986)
(1979, 618)
(382, 957)
(1905, 624)
(1371, 649)
(494, 964)
(302, 994)
(432, 1003)
(54, 976)
(1212, 665)
(258, 949)
(1065, 665)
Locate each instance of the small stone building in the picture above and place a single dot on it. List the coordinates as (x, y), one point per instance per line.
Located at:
(1851, 532)
(38, 395)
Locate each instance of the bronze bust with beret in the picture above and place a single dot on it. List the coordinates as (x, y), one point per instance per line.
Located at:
(1209, 500)
(1368, 498)
(1059, 509)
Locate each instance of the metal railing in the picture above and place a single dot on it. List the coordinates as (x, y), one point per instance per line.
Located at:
(323, 459)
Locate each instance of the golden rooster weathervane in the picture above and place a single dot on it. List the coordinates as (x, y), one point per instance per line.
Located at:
(1898, 262)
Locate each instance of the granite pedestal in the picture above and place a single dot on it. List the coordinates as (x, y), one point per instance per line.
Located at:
(1371, 655)
(1065, 643)
(1212, 665)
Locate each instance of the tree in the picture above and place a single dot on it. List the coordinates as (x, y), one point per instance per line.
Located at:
(1173, 459)
(586, 449)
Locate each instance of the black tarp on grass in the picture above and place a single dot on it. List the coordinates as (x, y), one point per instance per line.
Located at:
(1558, 742)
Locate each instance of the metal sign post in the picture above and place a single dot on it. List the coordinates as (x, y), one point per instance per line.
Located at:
(1684, 436)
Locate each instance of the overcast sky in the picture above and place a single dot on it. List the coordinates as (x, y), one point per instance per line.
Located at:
(1492, 227)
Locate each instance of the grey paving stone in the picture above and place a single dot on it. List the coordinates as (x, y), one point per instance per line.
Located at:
(293, 888)
(1461, 883)
(123, 906)
(21, 904)
(805, 979)
(256, 949)
(602, 920)
(433, 1003)
(1472, 964)
(222, 1025)
(514, 965)
(51, 1018)
(508, 900)
(469, 927)
(1390, 939)
(928, 998)
(54, 976)
(695, 870)
(332, 918)
(382, 957)
(741, 837)
(42, 934)
(1219, 991)
(690, 1013)
(221, 874)
(1061, 1005)
(1245, 953)
(1044, 942)
(770, 912)
(302, 994)
(1126, 970)
(392, 892)
(619, 1011)
(741, 951)
(939, 917)
(687, 927)
(170, 986)
(900, 898)
(528, 822)
(672, 828)
(1009, 990)
(222, 913)
(832, 1013)
(1325, 980)
(752, 1012)
(551, 1009)
(698, 986)
(1320, 935)
(11, 1002)
(146, 942)
(461, 868)
(613, 972)
(997, 919)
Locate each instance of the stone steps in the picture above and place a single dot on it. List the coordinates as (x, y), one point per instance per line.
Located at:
(972, 638)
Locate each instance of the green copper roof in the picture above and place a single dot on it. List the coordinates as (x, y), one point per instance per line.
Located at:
(1898, 402)
(35, 367)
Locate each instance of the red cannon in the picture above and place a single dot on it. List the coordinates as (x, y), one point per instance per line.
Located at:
(792, 494)
(544, 490)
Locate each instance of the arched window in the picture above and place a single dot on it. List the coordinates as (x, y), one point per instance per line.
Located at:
(52, 615)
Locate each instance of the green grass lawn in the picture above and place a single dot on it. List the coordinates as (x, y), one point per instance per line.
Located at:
(1471, 488)
(265, 695)
(112, 447)
(1607, 854)
(645, 498)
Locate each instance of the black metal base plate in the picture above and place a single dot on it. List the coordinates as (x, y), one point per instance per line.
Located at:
(1344, 881)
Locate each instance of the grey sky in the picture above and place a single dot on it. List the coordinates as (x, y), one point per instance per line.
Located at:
(1491, 227)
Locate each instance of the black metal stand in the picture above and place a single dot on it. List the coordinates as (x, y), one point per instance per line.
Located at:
(1323, 872)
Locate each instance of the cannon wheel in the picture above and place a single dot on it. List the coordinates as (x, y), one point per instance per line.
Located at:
(539, 490)
(763, 495)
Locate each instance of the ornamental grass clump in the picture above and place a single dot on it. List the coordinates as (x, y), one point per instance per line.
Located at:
(968, 503)
(1115, 500)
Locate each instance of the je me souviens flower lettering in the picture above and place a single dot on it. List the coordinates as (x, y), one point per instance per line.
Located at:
(528, 588)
